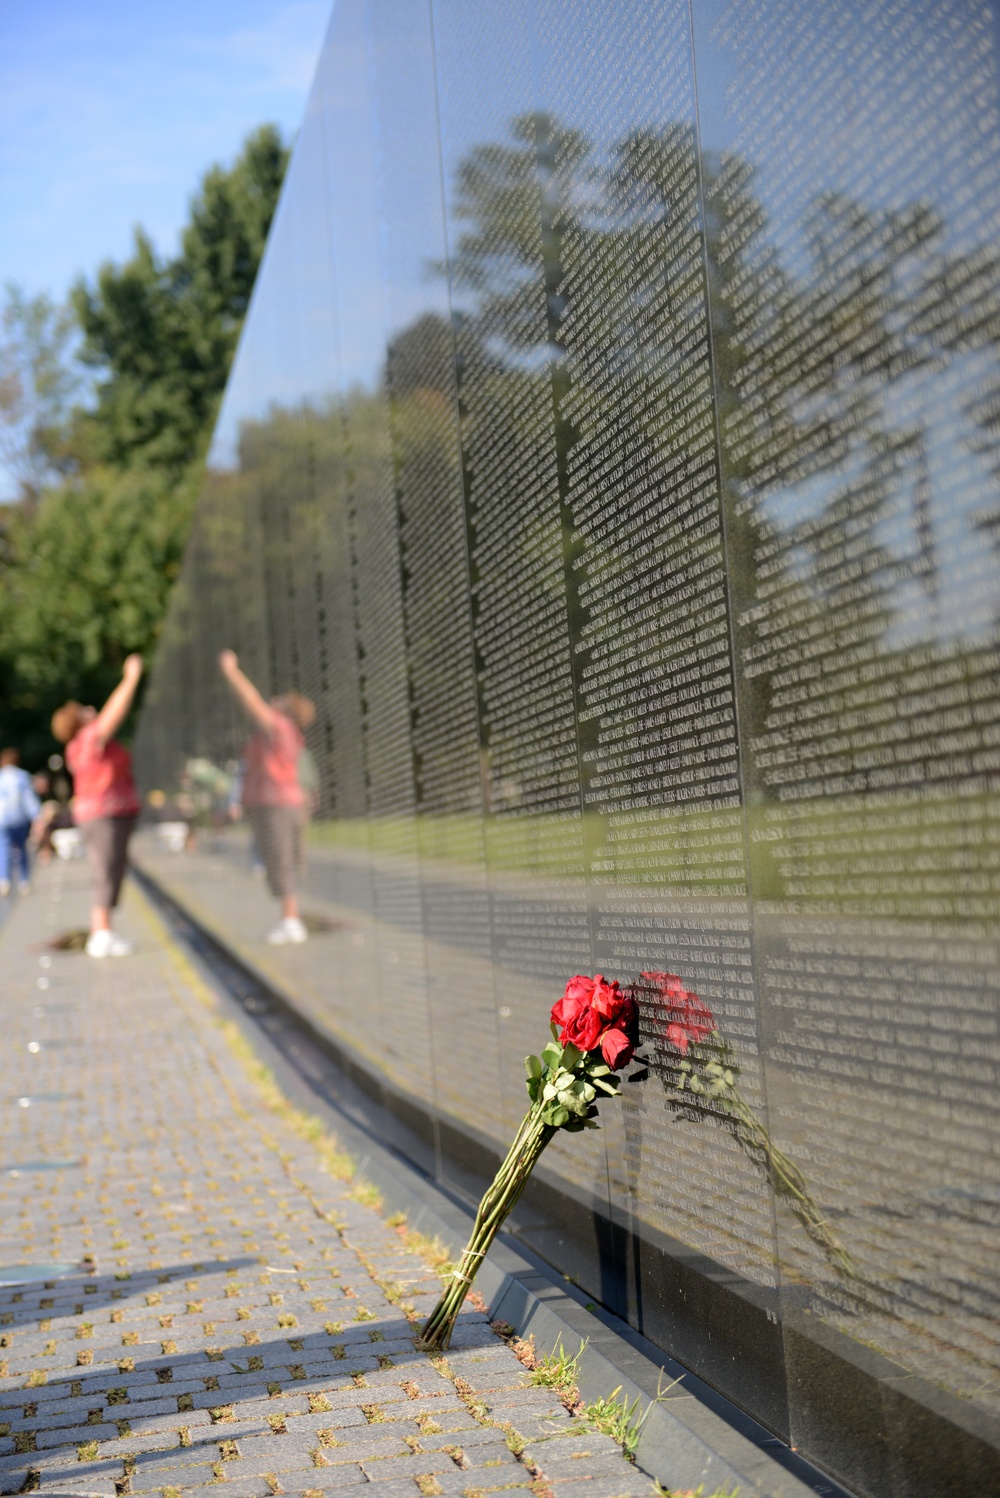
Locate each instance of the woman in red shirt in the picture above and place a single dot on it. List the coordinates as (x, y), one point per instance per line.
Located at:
(105, 804)
(272, 792)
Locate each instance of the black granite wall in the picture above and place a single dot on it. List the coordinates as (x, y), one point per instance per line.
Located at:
(611, 455)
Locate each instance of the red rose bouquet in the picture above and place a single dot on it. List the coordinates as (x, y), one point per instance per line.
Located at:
(594, 1033)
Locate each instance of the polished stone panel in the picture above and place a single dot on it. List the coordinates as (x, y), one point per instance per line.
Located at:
(611, 460)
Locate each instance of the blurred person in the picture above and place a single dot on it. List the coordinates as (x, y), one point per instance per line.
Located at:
(235, 812)
(208, 787)
(309, 781)
(174, 831)
(19, 806)
(105, 804)
(272, 795)
(53, 815)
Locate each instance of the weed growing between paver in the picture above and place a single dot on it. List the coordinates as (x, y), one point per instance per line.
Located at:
(698, 1492)
(610, 1416)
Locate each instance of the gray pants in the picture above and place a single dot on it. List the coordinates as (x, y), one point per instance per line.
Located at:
(277, 831)
(106, 841)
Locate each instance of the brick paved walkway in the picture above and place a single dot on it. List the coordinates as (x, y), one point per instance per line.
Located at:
(232, 1315)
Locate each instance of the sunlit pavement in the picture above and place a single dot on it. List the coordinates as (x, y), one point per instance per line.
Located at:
(201, 1302)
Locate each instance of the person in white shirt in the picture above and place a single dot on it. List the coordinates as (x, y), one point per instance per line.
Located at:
(19, 806)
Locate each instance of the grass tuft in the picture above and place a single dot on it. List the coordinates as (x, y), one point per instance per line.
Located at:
(367, 1194)
(698, 1492)
(336, 1160)
(558, 1371)
(616, 1418)
(431, 1250)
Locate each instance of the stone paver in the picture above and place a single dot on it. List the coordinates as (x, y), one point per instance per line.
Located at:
(231, 1316)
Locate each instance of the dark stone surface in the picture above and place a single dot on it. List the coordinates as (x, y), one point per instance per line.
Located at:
(611, 458)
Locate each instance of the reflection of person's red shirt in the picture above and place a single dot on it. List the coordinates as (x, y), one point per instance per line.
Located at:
(102, 777)
(272, 765)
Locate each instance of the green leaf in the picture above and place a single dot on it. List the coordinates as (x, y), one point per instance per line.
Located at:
(533, 1066)
(571, 1056)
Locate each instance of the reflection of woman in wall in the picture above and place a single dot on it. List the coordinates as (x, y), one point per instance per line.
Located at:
(272, 793)
(105, 804)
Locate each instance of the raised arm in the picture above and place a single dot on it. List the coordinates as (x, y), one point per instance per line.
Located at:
(116, 709)
(249, 697)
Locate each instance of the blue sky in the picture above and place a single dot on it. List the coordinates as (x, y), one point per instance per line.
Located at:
(110, 110)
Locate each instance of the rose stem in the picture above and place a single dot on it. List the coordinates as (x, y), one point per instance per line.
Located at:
(502, 1196)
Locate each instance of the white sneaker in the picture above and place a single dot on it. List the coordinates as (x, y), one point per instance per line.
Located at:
(107, 944)
(289, 930)
(4, 888)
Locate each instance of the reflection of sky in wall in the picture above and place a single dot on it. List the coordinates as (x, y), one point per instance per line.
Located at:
(887, 120)
(848, 106)
(293, 336)
(837, 105)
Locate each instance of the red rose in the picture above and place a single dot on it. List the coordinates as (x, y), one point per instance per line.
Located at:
(616, 1048)
(592, 1013)
(579, 997)
(687, 1017)
(583, 1029)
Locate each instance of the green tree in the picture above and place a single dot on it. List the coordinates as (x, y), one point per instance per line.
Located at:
(92, 571)
(37, 384)
(89, 554)
(160, 335)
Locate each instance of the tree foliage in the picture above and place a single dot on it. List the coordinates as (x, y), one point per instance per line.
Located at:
(89, 553)
(37, 383)
(161, 334)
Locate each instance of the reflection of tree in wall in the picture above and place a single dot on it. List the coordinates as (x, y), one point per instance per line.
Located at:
(832, 372)
(567, 270)
(420, 379)
(807, 371)
(294, 471)
(566, 262)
